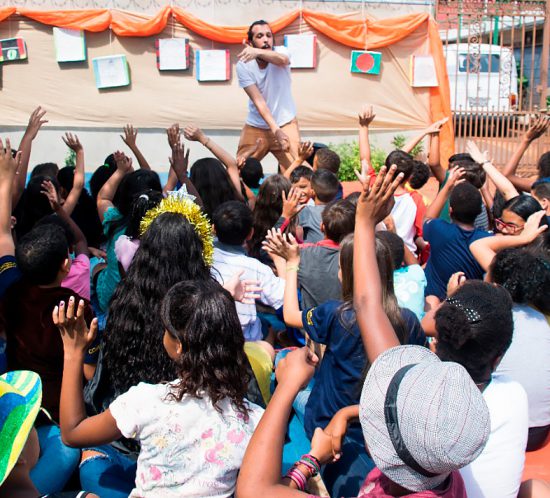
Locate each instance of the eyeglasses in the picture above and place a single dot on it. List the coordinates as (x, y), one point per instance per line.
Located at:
(512, 228)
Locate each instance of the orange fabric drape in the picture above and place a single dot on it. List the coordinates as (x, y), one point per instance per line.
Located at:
(6, 12)
(226, 34)
(93, 20)
(352, 32)
(130, 24)
(371, 33)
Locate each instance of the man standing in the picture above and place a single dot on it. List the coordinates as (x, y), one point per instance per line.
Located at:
(264, 74)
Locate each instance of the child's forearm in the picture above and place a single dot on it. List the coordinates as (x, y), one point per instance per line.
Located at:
(291, 306)
(71, 409)
(434, 209)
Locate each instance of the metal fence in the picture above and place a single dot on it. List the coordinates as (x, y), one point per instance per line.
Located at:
(497, 61)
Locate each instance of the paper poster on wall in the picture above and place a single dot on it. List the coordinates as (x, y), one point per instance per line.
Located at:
(111, 71)
(302, 49)
(366, 62)
(213, 65)
(70, 45)
(13, 49)
(422, 71)
(172, 54)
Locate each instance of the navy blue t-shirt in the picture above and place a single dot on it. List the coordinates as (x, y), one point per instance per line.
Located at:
(449, 253)
(338, 381)
(9, 273)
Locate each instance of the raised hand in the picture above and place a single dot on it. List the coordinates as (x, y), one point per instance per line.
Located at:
(456, 176)
(75, 334)
(376, 201)
(283, 245)
(291, 204)
(305, 150)
(436, 127)
(532, 228)
(537, 128)
(296, 369)
(179, 160)
(283, 140)
(478, 156)
(48, 189)
(173, 134)
(366, 116)
(35, 122)
(72, 142)
(248, 53)
(244, 291)
(130, 135)
(123, 162)
(457, 279)
(8, 164)
(194, 134)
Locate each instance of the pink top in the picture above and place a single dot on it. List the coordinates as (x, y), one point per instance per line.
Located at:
(78, 279)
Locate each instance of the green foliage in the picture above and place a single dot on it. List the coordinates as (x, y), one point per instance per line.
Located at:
(70, 158)
(349, 156)
(399, 142)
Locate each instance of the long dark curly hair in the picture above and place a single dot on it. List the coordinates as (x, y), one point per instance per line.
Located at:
(202, 316)
(170, 251)
(267, 210)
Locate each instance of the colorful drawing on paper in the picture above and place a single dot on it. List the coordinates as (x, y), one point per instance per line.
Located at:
(366, 62)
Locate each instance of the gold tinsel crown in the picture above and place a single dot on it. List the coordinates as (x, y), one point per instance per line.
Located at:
(192, 213)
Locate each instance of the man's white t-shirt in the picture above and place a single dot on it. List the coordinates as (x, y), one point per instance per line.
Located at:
(527, 361)
(274, 83)
(188, 448)
(497, 471)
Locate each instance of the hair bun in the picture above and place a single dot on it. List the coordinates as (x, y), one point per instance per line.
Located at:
(460, 328)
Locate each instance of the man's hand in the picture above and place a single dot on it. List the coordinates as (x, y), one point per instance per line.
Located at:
(74, 332)
(291, 204)
(248, 53)
(123, 162)
(537, 128)
(179, 160)
(195, 134)
(282, 138)
(282, 245)
(8, 165)
(173, 134)
(376, 201)
(366, 116)
(296, 369)
(35, 122)
(436, 127)
(72, 142)
(130, 136)
(49, 191)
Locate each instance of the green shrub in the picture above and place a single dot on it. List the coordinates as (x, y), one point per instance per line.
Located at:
(399, 142)
(70, 158)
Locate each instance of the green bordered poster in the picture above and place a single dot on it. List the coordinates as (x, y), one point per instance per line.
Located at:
(365, 62)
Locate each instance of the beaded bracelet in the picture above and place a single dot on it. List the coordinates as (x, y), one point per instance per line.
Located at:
(312, 463)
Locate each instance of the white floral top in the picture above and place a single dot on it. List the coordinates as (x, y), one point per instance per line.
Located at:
(188, 449)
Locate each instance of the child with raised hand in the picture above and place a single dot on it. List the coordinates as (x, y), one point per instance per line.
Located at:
(410, 462)
(193, 430)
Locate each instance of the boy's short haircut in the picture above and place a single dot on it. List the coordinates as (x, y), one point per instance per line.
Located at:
(473, 172)
(328, 159)
(325, 184)
(233, 222)
(252, 172)
(338, 220)
(41, 252)
(403, 161)
(461, 156)
(45, 169)
(301, 172)
(541, 189)
(53, 219)
(395, 245)
(420, 175)
(465, 202)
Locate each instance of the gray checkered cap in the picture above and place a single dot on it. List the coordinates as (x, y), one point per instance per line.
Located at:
(442, 416)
